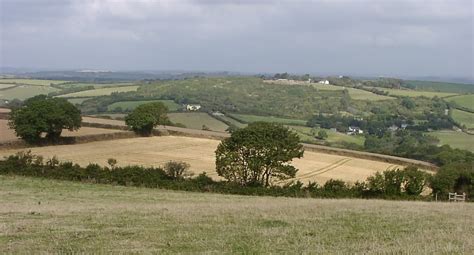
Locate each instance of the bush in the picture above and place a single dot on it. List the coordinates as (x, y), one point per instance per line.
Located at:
(177, 170)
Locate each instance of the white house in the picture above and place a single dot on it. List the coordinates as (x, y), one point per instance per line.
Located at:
(325, 82)
(355, 131)
(193, 107)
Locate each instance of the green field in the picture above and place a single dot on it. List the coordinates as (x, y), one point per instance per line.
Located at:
(23, 92)
(463, 118)
(78, 100)
(459, 88)
(95, 84)
(415, 93)
(455, 139)
(100, 91)
(466, 101)
(196, 120)
(130, 105)
(356, 94)
(253, 118)
(305, 134)
(44, 216)
(233, 121)
(35, 82)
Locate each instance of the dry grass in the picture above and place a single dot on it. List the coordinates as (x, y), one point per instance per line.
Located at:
(7, 134)
(100, 92)
(43, 216)
(199, 153)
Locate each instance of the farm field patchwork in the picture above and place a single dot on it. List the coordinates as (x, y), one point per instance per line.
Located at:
(7, 134)
(466, 101)
(199, 153)
(101, 91)
(23, 92)
(35, 82)
(464, 118)
(196, 120)
(78, 100)
(68, 217)
(455, 139)
(130, 105)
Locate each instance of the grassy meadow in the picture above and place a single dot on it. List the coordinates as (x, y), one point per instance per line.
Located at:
(130, 105)
(34, 82)
(23, 92)
(455, 139)
(47, 216)
(464, 118)
(356, 94)
(100, 91)
(333, 136)
(441, 86)
(196, 120)
(466, 101)
(416, 93)
(247, 118)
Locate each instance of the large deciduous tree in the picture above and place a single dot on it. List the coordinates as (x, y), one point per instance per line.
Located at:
(258, 154)
(146, 116)
(44, 115)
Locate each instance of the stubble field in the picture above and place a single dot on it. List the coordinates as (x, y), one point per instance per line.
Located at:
(199, 153)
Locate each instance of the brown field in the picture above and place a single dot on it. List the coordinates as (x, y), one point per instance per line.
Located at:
(8, 135)
(199, 153)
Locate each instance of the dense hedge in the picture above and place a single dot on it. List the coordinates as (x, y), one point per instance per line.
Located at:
(26, 164)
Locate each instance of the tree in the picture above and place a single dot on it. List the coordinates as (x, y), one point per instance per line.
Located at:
(258, 154)
(145, 117)
(177, 169)
(42, 114)
(322, 135)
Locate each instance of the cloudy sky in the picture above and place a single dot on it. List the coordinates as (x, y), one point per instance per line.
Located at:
(366, 37)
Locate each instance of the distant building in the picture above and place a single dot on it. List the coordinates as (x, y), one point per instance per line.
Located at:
(393, 128)
(193, 107)
(217, 113)
(325, 82)
(403, 126)
(355, 131)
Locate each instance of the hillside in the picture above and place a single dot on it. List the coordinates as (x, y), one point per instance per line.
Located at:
(66, 217)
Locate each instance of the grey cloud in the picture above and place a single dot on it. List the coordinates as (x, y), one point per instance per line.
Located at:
(406, 37)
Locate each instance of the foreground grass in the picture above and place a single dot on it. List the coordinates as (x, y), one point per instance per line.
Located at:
(52, 216)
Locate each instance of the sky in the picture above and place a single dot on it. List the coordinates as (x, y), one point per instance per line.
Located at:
(357, 37)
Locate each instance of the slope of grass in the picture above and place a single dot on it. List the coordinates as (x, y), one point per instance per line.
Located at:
(101, 91)
(130, 105)
(463, 118)
(196, 120)
(43, 216)
(455, 139)
(466, 101)
(23, 92)
(247, 118)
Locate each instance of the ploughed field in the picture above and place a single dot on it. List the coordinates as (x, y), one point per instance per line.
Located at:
(199, 153)
(45, 216)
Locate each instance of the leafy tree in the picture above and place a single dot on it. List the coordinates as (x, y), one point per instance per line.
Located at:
(454, 177)
(145, 117)
(177, 169)
(408, 103)
(42, 114)
(322, 135)
(258, 154)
